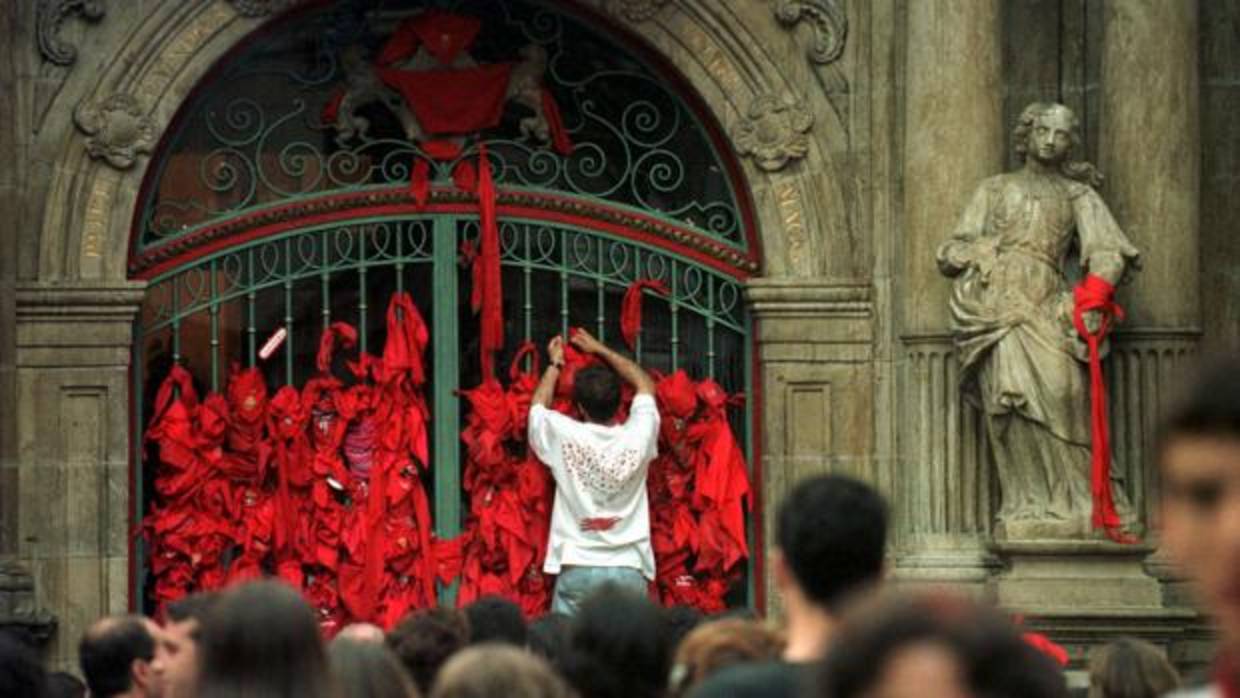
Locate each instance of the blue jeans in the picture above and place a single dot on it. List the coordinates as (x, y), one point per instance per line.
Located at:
(577, 582)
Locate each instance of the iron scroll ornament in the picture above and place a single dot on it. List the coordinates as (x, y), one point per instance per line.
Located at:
(256, 134)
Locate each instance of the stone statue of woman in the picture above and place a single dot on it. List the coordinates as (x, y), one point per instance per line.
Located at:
(1023, 363)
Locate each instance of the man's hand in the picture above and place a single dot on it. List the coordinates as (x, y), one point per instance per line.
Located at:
(586, 342)
(555, 350)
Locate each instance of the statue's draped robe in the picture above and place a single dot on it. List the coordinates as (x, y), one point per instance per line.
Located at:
(1011, 309)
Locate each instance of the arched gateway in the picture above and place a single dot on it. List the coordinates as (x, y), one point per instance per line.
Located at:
(514, 169)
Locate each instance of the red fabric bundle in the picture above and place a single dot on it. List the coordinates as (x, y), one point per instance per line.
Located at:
(358, 542)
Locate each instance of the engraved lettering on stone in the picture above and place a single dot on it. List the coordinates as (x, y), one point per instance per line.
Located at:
(1022, 362)
(118, 129)
(180, 50)
(51, 14)
(774, 131)
(95, 219)
(717, 65)
(829, 22)
(260, 8)
(637, 10)
(793, 217)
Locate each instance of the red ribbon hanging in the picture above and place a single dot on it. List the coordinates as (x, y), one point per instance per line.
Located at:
(631, 308)
(1095, 294)
(341, 331)
(486, 297)
(555, 123)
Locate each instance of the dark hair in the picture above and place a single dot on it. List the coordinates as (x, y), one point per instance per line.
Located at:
(21, 674)
(832, 531)
(192, 607)
(424, 640)
(62, 684)
(619, 646)
(548, 636)
(108, 650)
(1130, 668)
(1210, 407)
(597, 390)
(993, 657)
(496, 619)
(261, 640)
(492, 670)
(681, 620)
(368, 670)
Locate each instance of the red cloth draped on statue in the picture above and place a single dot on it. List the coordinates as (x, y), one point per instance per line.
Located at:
(1095, 294)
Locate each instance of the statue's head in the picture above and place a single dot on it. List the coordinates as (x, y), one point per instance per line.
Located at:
(1047, 132)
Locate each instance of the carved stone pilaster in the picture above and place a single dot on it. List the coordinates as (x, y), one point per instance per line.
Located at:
(51, 14)
(815, 344)
(117, 128)
(943, 472)
(829, 23)
(774, 131)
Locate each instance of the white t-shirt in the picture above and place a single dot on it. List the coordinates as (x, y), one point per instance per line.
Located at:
(601, 515)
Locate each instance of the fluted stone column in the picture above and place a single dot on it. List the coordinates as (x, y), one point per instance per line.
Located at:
(1150, 152)
(953, 138)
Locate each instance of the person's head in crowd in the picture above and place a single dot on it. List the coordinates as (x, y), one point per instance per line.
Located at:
(681, 620)
(934, 646)
(364, 668)
(362, 632)
(1199, 454)
(619, 646)
(831, 534)
(489, 670)
(62, 684)
(116, 653)
(717, 644)
(596, 390)
(21, 673)
(424, 640)
(176, 654)
(496, 619)
(1130, 668)
(548, 636)
(262, 640)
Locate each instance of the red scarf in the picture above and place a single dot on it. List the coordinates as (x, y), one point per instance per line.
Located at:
(631, 308)
(1095, 293)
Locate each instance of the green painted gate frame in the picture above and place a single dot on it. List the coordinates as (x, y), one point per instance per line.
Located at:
(366, 243)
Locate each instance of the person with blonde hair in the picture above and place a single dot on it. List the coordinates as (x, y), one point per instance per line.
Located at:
(721, 643)
(1130, 668)
(488, 670)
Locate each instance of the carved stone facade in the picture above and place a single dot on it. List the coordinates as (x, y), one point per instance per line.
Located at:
(863, 125)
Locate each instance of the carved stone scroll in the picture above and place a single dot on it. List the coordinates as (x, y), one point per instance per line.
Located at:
(829, 22)
(51, 14)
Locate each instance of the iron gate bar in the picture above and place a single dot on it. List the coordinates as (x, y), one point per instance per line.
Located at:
(445, 409)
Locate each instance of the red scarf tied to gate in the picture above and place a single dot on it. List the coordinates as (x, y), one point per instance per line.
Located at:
(631, 308)
(1095, 294)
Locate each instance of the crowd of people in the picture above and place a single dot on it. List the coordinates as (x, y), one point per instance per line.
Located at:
(842, 633)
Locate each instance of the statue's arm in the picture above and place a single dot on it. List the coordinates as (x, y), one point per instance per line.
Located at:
(1105, 250)
(960, 251)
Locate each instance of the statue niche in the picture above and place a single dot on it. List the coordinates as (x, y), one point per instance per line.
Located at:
(1023, 360)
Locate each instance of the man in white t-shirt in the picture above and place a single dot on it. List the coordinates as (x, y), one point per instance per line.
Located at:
(600, 523)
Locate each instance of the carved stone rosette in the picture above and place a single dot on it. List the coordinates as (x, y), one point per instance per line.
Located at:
(637, 10)
(118, 129)
(774, 131)
(51, 15)
(828, 19)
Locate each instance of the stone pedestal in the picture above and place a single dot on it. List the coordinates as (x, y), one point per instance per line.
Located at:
(1042, 577)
